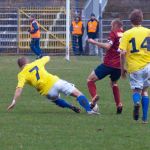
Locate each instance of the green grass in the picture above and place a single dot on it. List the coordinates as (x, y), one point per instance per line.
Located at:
(36, 124)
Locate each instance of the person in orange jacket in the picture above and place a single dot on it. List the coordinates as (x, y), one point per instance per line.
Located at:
(35, 36)
(92, 32)
(77, 31)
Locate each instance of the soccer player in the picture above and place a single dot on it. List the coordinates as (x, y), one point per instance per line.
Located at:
(35, 36)
(135, 52)
(47, 84)
(111, 65)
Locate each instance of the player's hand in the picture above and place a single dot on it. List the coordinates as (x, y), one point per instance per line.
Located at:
(91, 41)
(124, 73)
(11, 106)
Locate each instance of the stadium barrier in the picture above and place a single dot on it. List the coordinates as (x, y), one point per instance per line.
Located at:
(52, 23)
(8, 30)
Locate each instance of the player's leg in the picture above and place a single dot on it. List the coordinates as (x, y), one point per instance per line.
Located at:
(136, 83)
(99, 73)
(115, 75)
(145, 104)
(53, 95)
(145, 98)
(136, 96)
(92, 78)
(69, 89)
(83, 101)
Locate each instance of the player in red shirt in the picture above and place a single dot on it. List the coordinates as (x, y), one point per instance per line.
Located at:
(110, 66)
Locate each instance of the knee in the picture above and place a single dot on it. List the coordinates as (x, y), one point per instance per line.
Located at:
(92, 78)
(52, 98)
(144, 93)
(112, 83)
(76, 93)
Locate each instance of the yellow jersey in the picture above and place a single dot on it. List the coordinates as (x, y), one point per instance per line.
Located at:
(35, 75)
(135, 43)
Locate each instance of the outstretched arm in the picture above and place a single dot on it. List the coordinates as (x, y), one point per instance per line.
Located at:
(106, 46)
(16, 96)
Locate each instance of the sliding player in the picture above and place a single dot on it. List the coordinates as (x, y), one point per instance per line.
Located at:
(135, 51)
(111, 65)
(47, 84)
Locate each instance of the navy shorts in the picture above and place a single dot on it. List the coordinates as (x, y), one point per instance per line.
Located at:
(102, 71)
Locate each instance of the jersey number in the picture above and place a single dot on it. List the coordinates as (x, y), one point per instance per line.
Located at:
(145, 44)
(37, 72)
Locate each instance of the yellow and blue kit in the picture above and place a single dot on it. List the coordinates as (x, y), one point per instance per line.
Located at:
(135, 43)
(35, 75)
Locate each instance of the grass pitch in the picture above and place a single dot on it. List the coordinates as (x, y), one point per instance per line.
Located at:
(37, 124)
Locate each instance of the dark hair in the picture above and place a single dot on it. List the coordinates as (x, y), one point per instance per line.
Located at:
(118, 22)
(136, 17)
(92, 14)
(22, 61)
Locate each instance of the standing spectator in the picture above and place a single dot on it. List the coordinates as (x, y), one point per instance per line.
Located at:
(35, 36)
(92, 32)
(77, 30)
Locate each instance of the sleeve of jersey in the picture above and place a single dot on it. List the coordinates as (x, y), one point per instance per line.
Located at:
(35, 26)
(21, 81)
(123, 43)
(44, 60)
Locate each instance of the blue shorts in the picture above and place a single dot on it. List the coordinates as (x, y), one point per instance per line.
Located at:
(102, 71)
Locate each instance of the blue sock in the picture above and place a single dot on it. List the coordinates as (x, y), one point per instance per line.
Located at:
(62, 103)
(136, 98)
(83, 101)
(145, 104)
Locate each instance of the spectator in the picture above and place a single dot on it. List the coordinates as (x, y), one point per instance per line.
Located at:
(35, 36)
(92, 32)
(77, 30)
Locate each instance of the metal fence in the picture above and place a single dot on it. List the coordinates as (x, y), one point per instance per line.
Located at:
(52, 24)
(8, 30)
(14, 25)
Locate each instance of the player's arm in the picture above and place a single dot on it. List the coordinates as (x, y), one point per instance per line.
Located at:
(122, 63)
(106, 46)
(15, 98)
(44, 60)
(35, 26)
(19, 89)
(122, 49)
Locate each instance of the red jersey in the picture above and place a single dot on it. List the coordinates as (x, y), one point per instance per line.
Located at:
(112, 56)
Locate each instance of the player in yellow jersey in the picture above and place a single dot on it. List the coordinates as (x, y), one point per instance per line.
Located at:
(47, 84)
(135, 52)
